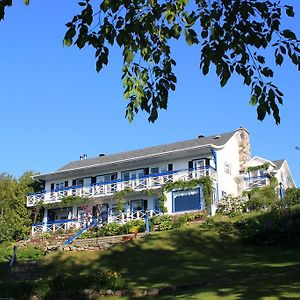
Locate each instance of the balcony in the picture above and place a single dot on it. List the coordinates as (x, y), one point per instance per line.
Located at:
(151, 181)
(258, 181)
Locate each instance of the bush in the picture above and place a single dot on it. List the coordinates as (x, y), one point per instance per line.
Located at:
(278, 227)
(110, 229)
(230, 204)
(29, 253)
(162, 218)
(107, 279)
(139, 225)
(166, 225)
(88, 234)
(263, 198)
(291, 197)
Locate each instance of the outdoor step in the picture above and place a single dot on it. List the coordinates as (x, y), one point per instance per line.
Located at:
(99, 243)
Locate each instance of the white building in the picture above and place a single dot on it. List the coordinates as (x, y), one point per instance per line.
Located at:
(225, 158)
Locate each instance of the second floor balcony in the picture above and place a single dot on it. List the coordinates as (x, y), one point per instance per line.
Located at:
(101, 189)
(256, 181)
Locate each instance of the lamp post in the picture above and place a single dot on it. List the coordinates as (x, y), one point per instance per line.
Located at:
(280, 191)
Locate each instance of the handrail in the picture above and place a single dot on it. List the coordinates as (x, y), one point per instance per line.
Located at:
(12, 260)
(122, 180)
(255, 177)
(72, 238)
(56, 222)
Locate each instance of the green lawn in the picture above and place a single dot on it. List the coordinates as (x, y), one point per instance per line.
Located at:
(214, 259)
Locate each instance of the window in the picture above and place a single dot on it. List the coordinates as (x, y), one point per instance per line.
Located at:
(199, 164)
(79, 182)
(134, 174)
(60, 185)
(137, 205)
(156, 204)
(154, 170)
(106, 177)
(187, 200)
(227, 168)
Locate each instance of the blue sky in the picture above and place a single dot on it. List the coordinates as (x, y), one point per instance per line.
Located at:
(54, 106)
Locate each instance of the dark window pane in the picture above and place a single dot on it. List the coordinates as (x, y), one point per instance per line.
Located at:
(187, 200)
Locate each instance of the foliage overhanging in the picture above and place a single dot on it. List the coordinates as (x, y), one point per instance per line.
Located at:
(231, 36)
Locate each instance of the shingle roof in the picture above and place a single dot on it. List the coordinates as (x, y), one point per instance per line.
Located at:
(217, 140)
(278, 163)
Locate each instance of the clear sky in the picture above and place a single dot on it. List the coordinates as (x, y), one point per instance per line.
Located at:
(54, 106)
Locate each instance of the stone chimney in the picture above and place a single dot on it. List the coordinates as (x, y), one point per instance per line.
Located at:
(244, 148)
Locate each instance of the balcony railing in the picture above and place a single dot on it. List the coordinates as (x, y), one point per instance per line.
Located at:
(258, 181)
(109, 188)
(121, 218)
(53, 226)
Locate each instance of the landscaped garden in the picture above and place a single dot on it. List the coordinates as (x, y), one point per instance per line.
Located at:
(249, 250)
(212, 259)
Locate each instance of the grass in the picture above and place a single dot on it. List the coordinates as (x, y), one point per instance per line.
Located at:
(212, 257)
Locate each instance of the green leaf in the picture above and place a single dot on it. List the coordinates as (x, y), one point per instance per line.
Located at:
(289, 34)
(289, 11)
(253, 100)
(279, 59)
(261, 112)
(128, 55)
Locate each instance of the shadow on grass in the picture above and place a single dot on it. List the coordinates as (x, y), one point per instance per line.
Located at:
(214, 260)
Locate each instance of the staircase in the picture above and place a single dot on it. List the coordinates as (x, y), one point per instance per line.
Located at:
(77, 234)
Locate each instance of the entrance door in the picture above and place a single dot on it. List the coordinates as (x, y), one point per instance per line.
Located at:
(199, 167)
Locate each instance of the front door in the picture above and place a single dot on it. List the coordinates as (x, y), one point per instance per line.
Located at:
(199, 167)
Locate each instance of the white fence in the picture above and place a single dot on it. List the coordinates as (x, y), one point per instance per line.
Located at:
(109, 188)
(121, 218)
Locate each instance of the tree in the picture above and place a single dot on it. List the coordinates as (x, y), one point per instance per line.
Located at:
(231, 36)
(15, 218)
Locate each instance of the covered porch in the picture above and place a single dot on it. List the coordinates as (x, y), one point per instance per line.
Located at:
(80, 216)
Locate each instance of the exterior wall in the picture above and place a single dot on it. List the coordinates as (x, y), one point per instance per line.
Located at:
(179, 164)
(229, 154)
(283, 175)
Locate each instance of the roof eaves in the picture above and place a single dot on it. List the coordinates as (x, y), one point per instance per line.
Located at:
(127, 160)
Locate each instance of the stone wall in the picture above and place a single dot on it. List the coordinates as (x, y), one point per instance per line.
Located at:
(99, 243)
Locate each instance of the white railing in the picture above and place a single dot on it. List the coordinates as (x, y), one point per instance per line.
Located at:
(55, 226)
(109, 188)
(129, 216)
(77, 224)
(258, 181)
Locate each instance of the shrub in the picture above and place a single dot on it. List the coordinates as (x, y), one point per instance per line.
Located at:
(162, 218)
(88, 234)
(277, 227)
(139, 225)
(166, 225)
(291, 197)
(107, 279)
(230, 204)
(263, 198)
(110, 229)
(30, 253)
(195, 215)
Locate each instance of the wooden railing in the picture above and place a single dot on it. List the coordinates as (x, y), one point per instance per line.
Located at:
(109, 188)
(121, 218)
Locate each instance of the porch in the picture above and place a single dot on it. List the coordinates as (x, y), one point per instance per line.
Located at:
(151, 181)
(63, 225)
